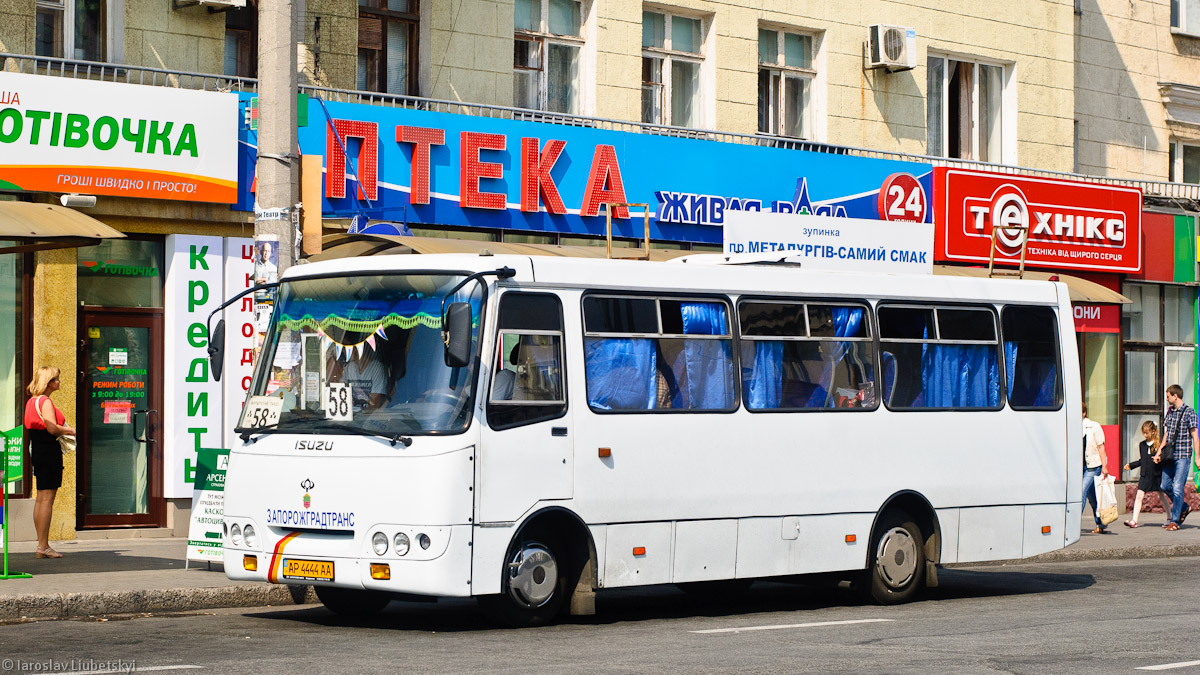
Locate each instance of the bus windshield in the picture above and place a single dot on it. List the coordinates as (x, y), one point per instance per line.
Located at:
(365, 354)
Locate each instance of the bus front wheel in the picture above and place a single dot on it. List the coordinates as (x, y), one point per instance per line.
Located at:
(896, 569)
(534, 583)
(351, 601)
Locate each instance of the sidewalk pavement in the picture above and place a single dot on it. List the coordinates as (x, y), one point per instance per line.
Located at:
(129, 576)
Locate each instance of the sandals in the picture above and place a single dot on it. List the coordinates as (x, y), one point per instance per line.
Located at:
(1131, 523)
(1186, 510)
(46, 553)
(1100, 530)
(1170, 527)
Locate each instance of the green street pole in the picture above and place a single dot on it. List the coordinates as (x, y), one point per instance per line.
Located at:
(6, 516)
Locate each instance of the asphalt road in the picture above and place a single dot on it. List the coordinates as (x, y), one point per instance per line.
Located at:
(1087, 617)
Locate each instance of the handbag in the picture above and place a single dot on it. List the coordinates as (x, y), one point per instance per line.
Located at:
(66, 443)
(1107, 499)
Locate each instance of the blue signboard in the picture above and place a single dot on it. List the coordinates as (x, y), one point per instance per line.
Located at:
(421, 168)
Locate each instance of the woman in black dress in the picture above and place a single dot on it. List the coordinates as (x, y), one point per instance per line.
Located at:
(44, 423)
(1151, 477)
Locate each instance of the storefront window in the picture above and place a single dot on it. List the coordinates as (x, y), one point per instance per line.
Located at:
(12, 375)
(1177, 312)
(1160, 350)
(1132, 432)
(1141, 378)
(1100, 386)
(136, 265)
(1141, 321)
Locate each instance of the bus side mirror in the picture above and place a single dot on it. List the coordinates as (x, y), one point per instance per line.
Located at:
(456, 332)
(216, 350)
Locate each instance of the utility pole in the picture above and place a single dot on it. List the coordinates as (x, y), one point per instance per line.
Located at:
(278, 159)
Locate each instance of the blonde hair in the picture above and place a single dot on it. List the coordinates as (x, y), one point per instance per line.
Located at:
(41, 380)
(1150, 429)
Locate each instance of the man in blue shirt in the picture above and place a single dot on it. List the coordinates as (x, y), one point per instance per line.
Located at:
(1179, 432)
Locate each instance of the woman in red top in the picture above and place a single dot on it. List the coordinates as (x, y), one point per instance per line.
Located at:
(44, 422)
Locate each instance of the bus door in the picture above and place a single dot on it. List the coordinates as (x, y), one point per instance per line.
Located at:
(526, 453)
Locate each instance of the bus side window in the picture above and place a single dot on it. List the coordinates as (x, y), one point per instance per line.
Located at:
(646, 353)
(528, 366)
(806, 356)
(940, 357)
(1031, 358)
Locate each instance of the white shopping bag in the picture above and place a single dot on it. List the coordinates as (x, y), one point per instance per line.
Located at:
(1107, 497)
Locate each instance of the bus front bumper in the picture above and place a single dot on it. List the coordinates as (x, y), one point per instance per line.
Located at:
(442, 569)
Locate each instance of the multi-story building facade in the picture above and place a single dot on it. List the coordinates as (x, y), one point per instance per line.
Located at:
(697, 105)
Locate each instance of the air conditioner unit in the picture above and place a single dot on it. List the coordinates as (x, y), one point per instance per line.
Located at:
(892, 47)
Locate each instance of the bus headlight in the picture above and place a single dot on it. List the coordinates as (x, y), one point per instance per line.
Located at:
(235, 535)
(401, 543)
(249, 536)
(423, 541)
(379, 542)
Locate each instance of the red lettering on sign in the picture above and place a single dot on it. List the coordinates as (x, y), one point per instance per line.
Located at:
(421, 138)
(472, 169)
(536, 178)
(604, 184)
(1069, 224)
(367, 161)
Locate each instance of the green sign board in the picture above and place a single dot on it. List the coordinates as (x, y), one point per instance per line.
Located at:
(13, 467)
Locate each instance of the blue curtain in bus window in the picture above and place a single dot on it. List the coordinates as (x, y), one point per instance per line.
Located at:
(960, 376)
(1010, 365)
(764, 379)
(620, 373)
(846, 322)
(707, 365)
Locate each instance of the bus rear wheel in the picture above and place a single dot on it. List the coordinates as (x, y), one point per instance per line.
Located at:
(534, 583)
(351, 602)
(896, 564)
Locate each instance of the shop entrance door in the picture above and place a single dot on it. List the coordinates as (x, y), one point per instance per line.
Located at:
(120, 426)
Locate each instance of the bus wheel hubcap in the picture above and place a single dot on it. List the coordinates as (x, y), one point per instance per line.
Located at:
(897, 557)
(532, 575)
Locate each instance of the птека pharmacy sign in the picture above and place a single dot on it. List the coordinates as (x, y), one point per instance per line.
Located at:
(128, 140)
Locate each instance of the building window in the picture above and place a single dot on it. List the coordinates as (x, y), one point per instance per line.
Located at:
(241, 42)
(547, 47)
(672, 55)
(387, 46)
(785, 83)
(80, 23)
(966, 110)
(1185, 16)
(1183, 160)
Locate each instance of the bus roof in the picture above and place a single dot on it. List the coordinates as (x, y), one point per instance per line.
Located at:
(680, 271)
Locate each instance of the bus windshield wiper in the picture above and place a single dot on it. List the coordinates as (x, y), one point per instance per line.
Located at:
(350, 428)
(247, 432)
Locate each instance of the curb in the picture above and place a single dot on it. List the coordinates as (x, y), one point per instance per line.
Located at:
(64, 605)
(1075, 555)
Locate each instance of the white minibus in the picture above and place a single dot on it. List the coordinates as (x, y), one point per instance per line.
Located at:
(529, 429)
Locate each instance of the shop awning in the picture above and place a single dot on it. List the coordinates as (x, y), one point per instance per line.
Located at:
(1082, 290)
(41, 227)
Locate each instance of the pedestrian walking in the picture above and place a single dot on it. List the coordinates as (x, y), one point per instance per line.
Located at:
(1177, 443)
(44, 423)
(1151, 476)
(1095, 463)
